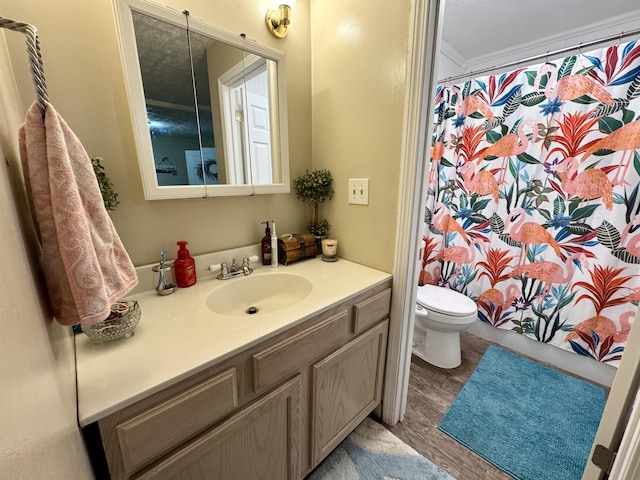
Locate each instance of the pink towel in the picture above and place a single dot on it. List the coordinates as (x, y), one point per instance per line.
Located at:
(85, 265)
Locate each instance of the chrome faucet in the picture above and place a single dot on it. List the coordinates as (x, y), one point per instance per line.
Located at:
(245, 267)
(233, 270)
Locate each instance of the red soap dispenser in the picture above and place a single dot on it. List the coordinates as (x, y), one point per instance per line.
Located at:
(184, 267)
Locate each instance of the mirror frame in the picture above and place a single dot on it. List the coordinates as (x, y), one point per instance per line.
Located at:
(138, 112)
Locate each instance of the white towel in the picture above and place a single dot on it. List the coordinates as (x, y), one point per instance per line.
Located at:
(85, 264)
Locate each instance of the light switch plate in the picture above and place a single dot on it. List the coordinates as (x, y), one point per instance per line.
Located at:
(359, 191)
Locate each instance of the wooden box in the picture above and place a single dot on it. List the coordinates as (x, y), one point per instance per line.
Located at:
(296, 247)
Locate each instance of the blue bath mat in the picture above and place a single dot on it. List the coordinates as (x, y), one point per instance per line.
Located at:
(529, 420)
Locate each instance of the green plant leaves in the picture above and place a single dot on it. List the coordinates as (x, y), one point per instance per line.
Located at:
(608, 235)
(567, 66)
(315, 186)
(609, 124)
(533, 99)
(109, 195)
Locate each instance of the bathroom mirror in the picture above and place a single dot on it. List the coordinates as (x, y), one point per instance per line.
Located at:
(208, 107)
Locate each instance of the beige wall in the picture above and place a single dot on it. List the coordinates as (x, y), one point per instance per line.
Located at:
(86, 85)
(359, 66)
(39, 436)
(358, 94)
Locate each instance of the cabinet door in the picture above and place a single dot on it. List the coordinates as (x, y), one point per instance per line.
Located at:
(347, 386)
(262, 441)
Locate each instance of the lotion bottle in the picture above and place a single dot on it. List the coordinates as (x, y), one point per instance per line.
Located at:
(274, 245)
(184, 266)
(266, 245)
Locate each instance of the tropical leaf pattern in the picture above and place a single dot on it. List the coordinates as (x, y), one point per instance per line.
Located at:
(532, 205)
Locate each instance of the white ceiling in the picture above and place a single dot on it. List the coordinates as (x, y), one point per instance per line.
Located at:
(475, 28)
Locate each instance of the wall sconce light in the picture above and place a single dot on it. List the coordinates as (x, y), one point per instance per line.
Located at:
(278, 19)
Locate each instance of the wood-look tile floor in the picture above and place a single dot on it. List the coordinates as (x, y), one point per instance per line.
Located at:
(432, 390)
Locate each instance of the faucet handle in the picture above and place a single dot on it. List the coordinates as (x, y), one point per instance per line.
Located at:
(214, 268)
(223, 268)
(247, 260)
(252, 258)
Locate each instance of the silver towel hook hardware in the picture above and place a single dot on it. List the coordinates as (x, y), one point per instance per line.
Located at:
(620, 37)
(35, 57)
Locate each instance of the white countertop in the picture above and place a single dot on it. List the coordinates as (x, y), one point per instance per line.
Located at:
(178, 335)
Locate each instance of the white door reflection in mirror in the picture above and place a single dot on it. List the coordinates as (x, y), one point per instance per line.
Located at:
(257, 122)
(245, 95)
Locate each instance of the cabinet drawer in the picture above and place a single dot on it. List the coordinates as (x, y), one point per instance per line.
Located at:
(371, 311)
(274, 363)
(168, 424)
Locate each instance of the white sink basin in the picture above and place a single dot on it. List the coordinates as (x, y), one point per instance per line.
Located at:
(258, 294)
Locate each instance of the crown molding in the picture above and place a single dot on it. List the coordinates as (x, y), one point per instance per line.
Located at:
(448, 51)
(565, 39)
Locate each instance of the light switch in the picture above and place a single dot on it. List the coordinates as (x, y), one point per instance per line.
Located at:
(359, 191)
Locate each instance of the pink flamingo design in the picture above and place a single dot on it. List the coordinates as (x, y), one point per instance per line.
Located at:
(445, 222)
(528, 233)
(631, 242)
(482, 183)
(550, 272)
(460, 256)
(633, 295)
(495, 297)
(471, 104)
(571, 86)
(510, 145)
(626, 139)
(588, 185)
(427, 278)
(604, 327)
(437, 152)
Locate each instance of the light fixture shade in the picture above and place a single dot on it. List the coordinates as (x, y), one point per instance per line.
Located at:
(278, 20)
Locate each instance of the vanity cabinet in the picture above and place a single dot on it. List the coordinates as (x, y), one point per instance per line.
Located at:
(273, 411)
(262, 441)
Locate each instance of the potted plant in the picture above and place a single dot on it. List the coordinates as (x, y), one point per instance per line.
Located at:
(315, 187)
(109, 195)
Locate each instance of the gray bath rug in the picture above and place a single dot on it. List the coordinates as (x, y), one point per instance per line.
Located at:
(373, 452)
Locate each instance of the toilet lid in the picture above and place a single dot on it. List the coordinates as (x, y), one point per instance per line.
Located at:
(446, 301)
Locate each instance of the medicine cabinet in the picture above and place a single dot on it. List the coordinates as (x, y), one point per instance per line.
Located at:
(208, 108)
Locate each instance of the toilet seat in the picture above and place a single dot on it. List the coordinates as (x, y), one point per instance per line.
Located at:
(445, 301)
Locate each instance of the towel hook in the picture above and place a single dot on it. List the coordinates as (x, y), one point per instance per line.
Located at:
(35, 57)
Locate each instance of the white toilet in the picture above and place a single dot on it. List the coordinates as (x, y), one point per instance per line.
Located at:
(441, 314)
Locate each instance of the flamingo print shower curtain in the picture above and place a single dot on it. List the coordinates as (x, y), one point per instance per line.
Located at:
(533, 205)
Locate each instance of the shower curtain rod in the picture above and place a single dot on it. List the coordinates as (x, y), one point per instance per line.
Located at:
(547, 54)
(35, 57)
